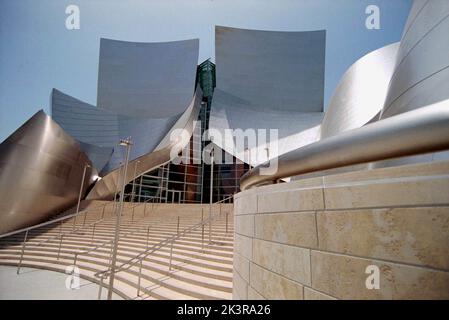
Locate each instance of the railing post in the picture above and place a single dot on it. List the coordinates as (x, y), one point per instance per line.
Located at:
(100, 287)
(177, 227)
(60, 244)
(148, 236)
(102, 213)
(202, 229)
(227, 214)
(93, 233)
(171, 254)
(85, 216)
(74, 222)
(145, 209)
(140, 276)
(113, 208)
(132, 216)
(210, 223)
(23, 251)
(75, 259)
(211, 195)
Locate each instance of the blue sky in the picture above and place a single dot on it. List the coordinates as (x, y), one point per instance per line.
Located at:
(38, 53)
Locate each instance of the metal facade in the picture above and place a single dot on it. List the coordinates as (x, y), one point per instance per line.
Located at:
(268, 80)
(361, 92)
(41, 169)
(155, 80)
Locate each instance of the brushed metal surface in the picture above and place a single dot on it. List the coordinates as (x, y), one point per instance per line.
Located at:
(268, 80)
(418, 93)
(421, 71)
(96, 129)
(107, 186)
(271, 70)
(420, 131)
(103, 128)
(361, 92)
(41, 168)
(147, 79)
(143, 92)
(295, 129)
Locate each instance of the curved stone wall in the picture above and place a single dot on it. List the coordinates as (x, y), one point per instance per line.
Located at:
(317, 238)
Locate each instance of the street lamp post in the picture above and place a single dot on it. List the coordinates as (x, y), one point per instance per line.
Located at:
(211, 193)
(80, 193)
(126, 143)
(133, 193)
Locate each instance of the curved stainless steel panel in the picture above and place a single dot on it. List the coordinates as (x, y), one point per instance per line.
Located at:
(107, 186)
(85, 122)
(268, 80)
(421, 71)
(143, 91)
(361, 92)
(153, 80)
(271, 70)
(99, 130)
(41, 168)
(419, 131)
(96, 129)
(99, 156)
(420, 78)
(146, 133)
(417, 7)
(295, 129)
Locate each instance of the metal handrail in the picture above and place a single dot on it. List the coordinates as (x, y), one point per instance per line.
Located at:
(415, 132)
(157, 246)
(61, 234)
(129, 263)
(75, 230)
(43, 224)
(86, 252)
(224, 200)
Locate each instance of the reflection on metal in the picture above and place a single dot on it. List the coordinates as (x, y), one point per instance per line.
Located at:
(361, 92)
(107, 186)
(421, 75)
(268, 80)
(416, 132)
(271, 70)
(40, 173)
(96, 129)
(153, 80)
(99, 130)
(143, 91)
(420, 78)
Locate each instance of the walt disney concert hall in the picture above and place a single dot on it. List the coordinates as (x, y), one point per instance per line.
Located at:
(303, 212)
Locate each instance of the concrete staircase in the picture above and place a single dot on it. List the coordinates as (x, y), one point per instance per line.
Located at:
(199, 271)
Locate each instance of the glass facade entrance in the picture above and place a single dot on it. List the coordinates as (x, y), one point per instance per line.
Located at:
(191, 182)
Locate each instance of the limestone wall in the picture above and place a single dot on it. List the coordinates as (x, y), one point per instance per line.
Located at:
(315, 238)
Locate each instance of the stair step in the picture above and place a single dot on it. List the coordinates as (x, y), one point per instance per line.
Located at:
(197, 273)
